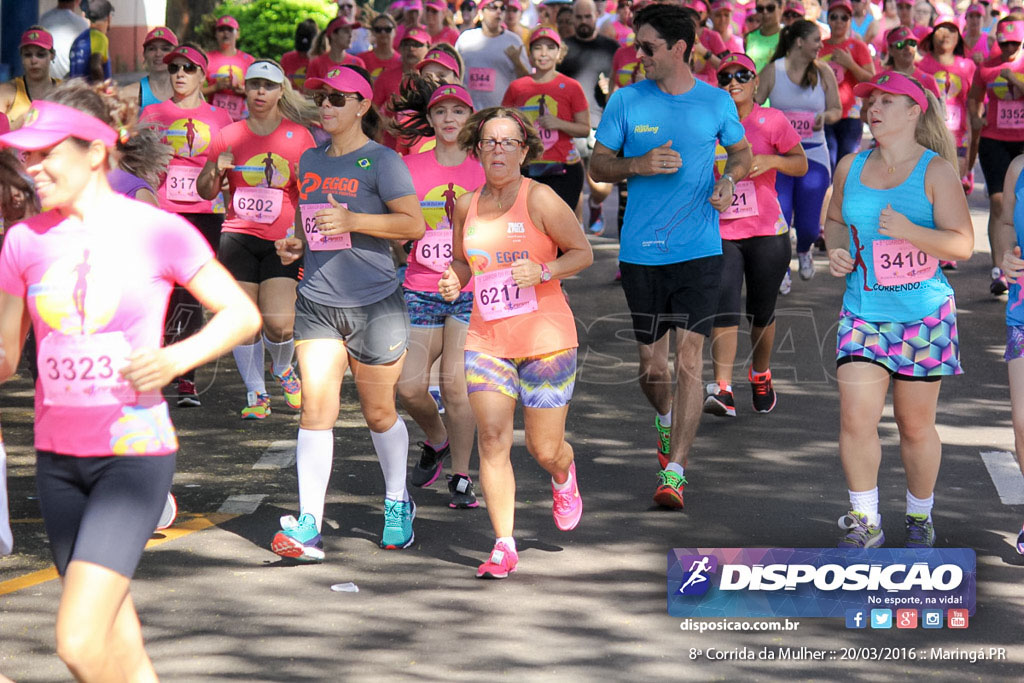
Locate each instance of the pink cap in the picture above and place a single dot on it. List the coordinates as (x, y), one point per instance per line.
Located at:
(451, 91)
(441, 58)
(228, 20)
(342, 79)
(895, 83)
(161, 33)
(418, 35)
(48, 123)
(897, 34)
(38, 37)
(909, 3)
(191, 54)
(514, 4)
(841, 4)
(439, 5)
(737, 59)
(719, 5)
(341, 22)
(542, 32)
(1010, 32)
(698, 5)
(976, 8)
(794, 6)
(413, 6)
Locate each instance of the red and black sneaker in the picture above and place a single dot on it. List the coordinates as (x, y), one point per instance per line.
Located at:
(764, 395)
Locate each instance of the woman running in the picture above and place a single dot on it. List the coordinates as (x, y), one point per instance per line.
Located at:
(976, 46)
(383, 55)
(105, 445)
(189, 126)
(755, 242)
(259, 157)
(155, 86)
(895, 211)
(903, 58)
(355, 196)
(556, 105)
(996, 103)
(440, 176)
(805, 90)
(522, 335)
(17, 94)
(1008, 240)
(440, 23)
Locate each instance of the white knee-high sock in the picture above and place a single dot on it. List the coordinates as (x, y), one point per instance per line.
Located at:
(249, 359)
(392, 449)
(314, 454)
(281, 354)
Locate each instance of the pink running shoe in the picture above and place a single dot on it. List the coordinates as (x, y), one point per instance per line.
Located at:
(568, 506)
(500, 564)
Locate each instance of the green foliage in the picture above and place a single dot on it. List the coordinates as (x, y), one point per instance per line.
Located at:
(267, 27)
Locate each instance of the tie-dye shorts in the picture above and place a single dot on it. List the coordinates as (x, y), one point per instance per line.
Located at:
(540, 381)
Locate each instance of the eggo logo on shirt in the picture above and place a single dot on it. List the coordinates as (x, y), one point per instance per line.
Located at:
(510, 256)
(311, 182)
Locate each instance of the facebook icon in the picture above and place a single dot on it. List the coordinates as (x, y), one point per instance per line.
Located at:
(856, 618)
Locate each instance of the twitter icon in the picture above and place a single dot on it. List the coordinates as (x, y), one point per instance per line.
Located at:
(881, 618)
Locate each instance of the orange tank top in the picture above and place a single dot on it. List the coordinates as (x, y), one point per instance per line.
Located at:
(492, 245)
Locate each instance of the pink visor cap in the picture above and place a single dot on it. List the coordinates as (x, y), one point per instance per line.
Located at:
(37, 37)
(896, 84)
(542, 32)
(451, 91)
(441, 58)
(1010, 32)
(189, 53)
(48, 123)
(343, 80)
(161, 33)
(736, 59)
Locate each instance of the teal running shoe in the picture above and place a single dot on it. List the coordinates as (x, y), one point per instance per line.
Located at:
(299, 539)
(398, 516)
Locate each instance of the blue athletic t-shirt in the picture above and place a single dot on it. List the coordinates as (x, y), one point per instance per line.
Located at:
(1015, 300)
(668, 217)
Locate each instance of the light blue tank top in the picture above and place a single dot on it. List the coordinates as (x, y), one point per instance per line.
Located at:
(146, 96)
(1015, 300)
(861, 27)
(861, 208)
(788, 96)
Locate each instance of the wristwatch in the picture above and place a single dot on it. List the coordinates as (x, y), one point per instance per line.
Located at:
(728, 176)
(545, 274)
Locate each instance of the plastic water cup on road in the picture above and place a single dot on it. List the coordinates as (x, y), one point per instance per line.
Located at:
(345, 588)
(169, 514)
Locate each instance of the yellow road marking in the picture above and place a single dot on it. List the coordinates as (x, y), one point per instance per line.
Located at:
(188, 525)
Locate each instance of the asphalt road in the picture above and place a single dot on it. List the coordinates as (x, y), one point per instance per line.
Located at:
(216, 604)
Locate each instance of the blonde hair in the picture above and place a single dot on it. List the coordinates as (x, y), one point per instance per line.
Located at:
(931, 131)
(293, 105)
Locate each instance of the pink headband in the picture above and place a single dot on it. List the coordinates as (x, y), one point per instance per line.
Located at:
(48, 123)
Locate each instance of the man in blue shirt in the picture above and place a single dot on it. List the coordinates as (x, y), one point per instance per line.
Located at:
(90, 51)
(667, 128)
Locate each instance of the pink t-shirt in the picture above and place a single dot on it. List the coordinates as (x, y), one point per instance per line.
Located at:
(769, 132)
(953, 82)
(716, 46)
(1004, 117)
(189, 132)
(447, 35)
(262, 162)
(295, 65)
(376, 66)
(980, 46)
(861, 55)
(437, 187)
(322, 64)
(95, 292)
(234, 67)
(627, 68)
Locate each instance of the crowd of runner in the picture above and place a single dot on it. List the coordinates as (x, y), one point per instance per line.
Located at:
(400, 197)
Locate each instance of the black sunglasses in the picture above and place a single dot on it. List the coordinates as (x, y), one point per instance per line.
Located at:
(760, 9)
(839, 17)
(649, 49)
(740, 76)
(900, 44)
(383, 29)
(337, 99)
(187, 68)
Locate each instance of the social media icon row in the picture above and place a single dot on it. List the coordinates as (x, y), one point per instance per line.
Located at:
(906, 618)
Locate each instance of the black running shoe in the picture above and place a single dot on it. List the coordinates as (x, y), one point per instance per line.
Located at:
(764, 395)
(460, 487)
(429, 467)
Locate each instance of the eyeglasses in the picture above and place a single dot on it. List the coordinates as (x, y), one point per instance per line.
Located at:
(839, 17)
(740, 76)
(507, 145)
(187, 68)
(383, 29)
(900, 44)
(336, 99)
(761, 9)
(496, 8)
(649, 49)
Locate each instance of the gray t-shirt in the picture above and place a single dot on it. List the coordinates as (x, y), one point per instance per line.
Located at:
(64, 25)
(364, 180)
(489, 71)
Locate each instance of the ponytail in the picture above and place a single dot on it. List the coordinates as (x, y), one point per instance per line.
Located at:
(931, 131)
(804, 29)
(410, 103)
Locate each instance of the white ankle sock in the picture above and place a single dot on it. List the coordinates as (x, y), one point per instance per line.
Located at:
(314, 454)
(249, 359)
(866, 502)
(675, 467)
(666, 419)
(507, 540)
(920, 506)
(392, 449)
(281, 354)
(564, 485)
